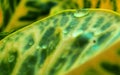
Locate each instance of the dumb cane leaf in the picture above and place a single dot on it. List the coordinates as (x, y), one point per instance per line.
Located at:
(19, 13)
(106, 63)
(58, 43)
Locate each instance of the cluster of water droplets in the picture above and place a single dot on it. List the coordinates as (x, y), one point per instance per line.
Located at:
(42, 47)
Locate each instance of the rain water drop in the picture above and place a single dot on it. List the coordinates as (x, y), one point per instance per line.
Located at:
(11, 58)
(96, 32)
(75, 34)
(44, 46)
(65, 31)
(81, 13)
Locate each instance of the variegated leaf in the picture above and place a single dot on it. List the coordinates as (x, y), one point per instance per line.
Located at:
(19, 13)
(59, 43)
(105, 63)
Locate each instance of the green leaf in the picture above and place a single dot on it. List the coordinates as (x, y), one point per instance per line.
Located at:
(105, 63)
(19, 13)
(59, 43)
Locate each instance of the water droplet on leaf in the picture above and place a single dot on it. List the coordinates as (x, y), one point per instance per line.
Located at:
(75, 34)
(65, 32)
(44, 46)
(11, 58)
(81, 13)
